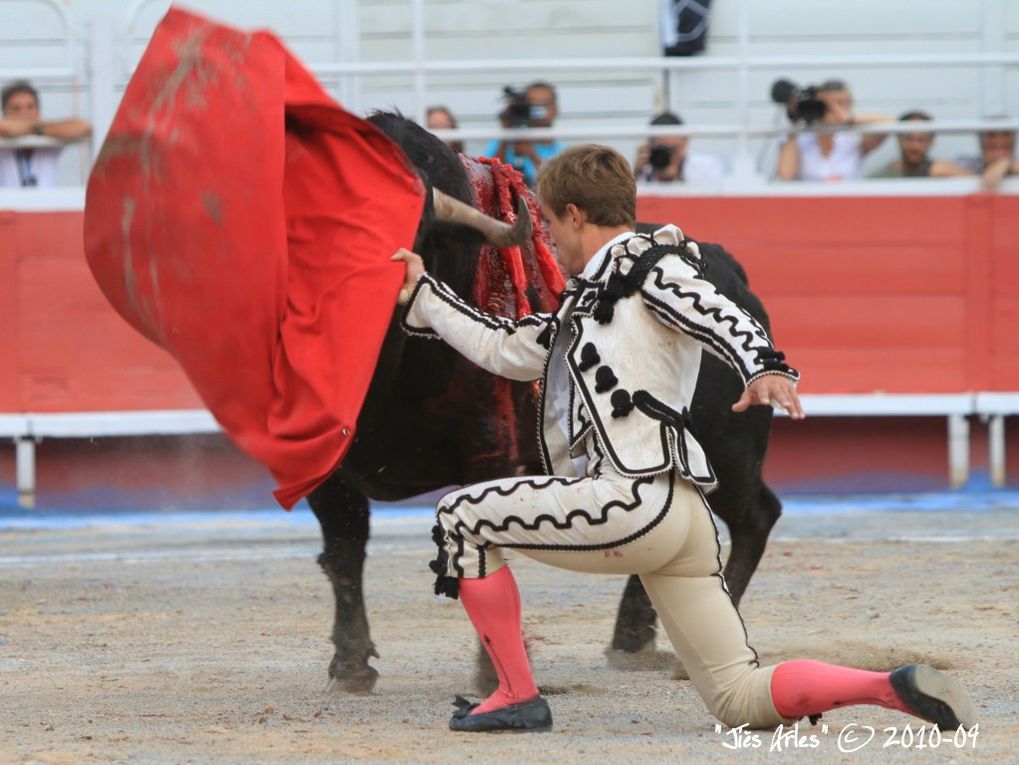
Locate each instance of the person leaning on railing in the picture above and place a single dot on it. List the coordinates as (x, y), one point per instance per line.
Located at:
(914, 155)
(28, 166)
(997, 156)
(836, 156)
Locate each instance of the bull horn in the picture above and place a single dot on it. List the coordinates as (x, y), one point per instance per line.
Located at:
(496, 232)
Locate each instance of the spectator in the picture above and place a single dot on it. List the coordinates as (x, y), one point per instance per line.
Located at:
(836, 156)
(441, 118)
(527, 156)
(997, 157)
(914, 160)
(32, 166)
(664, 159)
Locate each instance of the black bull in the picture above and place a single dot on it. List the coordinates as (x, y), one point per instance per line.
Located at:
(421, 429)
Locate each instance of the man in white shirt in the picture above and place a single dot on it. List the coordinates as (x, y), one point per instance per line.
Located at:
(32, 166)
(666, 159)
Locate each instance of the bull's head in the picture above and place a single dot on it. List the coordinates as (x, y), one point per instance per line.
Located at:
(452, 210)
(438, 165)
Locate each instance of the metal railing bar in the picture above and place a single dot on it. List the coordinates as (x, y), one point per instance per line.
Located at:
(658, 63)
(645, 131)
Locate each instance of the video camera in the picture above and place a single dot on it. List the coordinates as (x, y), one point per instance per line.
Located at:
(661, 156)
(802, 104)
(520, 112)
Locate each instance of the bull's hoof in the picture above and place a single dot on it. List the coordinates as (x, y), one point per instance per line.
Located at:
(647, 659)
(359, 680)
(634, 639)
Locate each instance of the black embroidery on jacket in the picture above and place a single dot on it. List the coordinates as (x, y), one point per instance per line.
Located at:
(604, 380)
(588, 357)
(622, 285)
(680, 422)
(622, 404)
(444, 584)
(598, 517)
(772, 361)
(544, 338)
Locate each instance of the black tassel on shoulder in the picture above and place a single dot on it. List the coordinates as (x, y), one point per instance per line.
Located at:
(623, 285)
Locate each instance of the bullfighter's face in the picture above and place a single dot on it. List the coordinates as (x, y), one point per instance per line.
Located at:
(565, 233)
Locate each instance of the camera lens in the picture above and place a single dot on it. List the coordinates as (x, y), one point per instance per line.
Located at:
(660, 157)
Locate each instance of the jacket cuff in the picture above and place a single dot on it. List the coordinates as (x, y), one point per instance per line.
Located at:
(413, 318)
(789, 373)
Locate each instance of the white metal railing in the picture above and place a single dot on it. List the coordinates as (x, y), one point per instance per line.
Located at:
(65, 72)
(419, 67)
(109, 70)
(27, 429)
(661, 63)
(30, 142)
(645, 131)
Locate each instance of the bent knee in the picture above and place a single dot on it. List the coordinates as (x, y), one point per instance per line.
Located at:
(746, 702)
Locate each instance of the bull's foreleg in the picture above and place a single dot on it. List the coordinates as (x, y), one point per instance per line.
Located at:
(749, 535)
(343, 513)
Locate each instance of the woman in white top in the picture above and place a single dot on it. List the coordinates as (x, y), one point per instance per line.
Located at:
(834, 156)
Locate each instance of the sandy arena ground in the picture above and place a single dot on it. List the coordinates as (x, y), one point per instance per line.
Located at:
(205, 641)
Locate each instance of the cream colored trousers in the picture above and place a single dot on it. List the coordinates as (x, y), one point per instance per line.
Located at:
(657, 527)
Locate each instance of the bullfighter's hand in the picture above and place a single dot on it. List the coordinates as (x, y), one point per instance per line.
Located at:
(768, 390)
(415, 268)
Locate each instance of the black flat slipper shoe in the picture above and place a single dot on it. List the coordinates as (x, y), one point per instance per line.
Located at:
(934, 696)
(532, 715)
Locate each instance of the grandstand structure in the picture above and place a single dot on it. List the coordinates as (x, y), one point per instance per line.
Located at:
(898, 298)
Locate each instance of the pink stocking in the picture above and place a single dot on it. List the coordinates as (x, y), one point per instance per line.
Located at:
(493, 605)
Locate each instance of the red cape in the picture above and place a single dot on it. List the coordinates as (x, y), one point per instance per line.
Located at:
(242, 220)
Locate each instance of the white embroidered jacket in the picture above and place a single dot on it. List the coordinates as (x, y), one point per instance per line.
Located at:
(632, 363)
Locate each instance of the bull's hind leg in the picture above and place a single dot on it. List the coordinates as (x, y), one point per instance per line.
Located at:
(749, 512)
(343, 513)
(749, 527)
(635, 621)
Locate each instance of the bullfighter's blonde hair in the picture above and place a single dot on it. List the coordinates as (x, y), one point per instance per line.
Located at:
(595, 178)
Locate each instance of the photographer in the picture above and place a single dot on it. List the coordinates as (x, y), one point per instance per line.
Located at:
(534, 107)
(835, 156)
(665, 159)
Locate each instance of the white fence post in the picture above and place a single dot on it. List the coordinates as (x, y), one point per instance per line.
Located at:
(24, 457)
(958, 450)
(743, 162)
(994, 38)
(102, 43)
(418, 47)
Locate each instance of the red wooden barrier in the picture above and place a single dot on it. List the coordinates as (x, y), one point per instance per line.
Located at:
(64, 349)
(896, 294)
(900, 294)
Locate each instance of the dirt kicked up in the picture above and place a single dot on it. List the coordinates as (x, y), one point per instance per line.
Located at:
(204, 640)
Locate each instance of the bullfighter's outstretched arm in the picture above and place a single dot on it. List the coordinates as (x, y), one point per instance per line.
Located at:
(502, 346)
(680, 298)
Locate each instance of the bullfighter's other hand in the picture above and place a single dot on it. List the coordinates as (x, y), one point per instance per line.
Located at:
(770, 389)
(415, 268)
